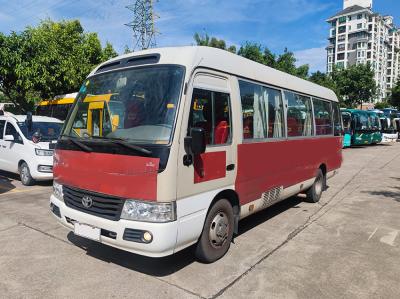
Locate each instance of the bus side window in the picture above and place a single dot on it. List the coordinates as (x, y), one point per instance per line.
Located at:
(299, 115)
(211, 112)
(323, 117)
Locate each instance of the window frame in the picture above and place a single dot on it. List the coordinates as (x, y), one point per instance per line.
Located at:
(332, 118)
(284, 108)
(4, 129)
(19, 140)
(213, 91)
(312, 115)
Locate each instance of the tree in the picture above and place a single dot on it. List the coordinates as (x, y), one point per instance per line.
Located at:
(52, 58)
(395, 95)
(326, 80)
(355, 84)
(108, 52)
(382, 105)
(205, 40)
(252, 51)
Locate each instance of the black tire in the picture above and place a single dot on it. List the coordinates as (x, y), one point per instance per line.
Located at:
(213, 243)
(25, 175)
(315, 191)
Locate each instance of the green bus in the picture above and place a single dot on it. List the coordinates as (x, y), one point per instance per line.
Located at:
(361, 127)
(376, 127)
(347, 131)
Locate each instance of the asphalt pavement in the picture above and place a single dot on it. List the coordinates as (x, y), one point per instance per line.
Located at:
(346, 246)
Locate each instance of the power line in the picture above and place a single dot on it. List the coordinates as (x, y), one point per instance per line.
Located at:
(143, 24)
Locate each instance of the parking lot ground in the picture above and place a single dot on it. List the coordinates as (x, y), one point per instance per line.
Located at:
(347, 246)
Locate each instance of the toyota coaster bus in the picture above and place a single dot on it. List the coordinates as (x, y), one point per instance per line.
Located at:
(207, 138)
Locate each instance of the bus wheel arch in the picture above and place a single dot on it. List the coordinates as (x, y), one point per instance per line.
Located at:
(219, 227)
(314, 193)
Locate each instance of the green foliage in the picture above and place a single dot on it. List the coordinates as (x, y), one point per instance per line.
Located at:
(252, 51)
(286, 62)
(395, 96)
(50, 59)
(382, 105)
(355, 84)
(205, 40)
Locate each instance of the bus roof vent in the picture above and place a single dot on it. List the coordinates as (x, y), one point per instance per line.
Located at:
(130, 61)
(108, 66)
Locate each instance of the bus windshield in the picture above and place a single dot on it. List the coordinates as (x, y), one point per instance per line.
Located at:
(59, 111)
(362, 122)
(137, 105)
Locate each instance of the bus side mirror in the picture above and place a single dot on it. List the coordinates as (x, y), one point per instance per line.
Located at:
(198, 140)
(195, 144)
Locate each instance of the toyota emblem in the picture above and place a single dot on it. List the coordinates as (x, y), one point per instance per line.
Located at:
(87, 201)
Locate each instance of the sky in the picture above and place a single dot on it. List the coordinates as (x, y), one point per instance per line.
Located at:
(298, 25)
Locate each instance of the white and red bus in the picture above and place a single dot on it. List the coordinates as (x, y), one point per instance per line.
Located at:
(200, 138)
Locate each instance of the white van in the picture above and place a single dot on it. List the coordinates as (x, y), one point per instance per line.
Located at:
(26, 144)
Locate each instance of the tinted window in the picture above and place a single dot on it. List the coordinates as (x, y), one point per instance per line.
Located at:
(262, 111)
(10, 130)
(323, 117)
(2, 123)
(299, 115)
(211, 111)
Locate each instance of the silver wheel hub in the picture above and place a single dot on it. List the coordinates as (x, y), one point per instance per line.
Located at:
(24, 174)
(318, 186)
(219, 229)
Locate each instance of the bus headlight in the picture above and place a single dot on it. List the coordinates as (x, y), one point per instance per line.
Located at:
(58, 191)
(149, 211)
(43, 152)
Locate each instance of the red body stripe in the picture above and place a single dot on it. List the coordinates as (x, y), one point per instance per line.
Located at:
(117, 175)
(209, 166)
(262, 166)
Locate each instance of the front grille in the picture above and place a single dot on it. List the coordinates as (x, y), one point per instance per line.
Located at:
(104, 206)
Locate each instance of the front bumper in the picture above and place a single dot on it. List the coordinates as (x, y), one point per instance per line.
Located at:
(41, 161)
(164, 234)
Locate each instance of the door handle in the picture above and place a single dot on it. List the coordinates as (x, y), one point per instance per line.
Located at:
(230, 167)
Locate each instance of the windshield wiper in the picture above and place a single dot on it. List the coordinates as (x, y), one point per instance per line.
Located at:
(82, 146)
(124, 143)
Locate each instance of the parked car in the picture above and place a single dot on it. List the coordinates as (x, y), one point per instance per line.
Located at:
(26, 144)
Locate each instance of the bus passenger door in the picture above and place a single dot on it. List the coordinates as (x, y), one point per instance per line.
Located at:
(210, 109)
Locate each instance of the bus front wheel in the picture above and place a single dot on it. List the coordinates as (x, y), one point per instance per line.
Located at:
(315, 191)
(217, 232)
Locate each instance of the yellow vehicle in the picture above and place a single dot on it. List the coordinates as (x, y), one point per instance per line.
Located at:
(98, 116)
(57, 107)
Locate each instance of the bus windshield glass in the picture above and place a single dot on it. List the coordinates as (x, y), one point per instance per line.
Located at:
(362, 122)
(137, 105)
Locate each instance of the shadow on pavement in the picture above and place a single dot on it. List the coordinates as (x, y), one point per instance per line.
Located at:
(15, 177)
(5, 185)
(168, 265)
(394, 195)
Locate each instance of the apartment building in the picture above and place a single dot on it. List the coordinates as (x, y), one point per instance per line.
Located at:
(358, 35)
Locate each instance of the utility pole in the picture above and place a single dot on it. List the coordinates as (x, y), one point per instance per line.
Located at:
(143, 24)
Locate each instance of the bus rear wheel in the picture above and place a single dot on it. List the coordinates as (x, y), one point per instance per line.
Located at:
(217, 232)
(315, 191)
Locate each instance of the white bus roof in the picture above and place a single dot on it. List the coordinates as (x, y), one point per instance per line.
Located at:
(224, 61)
